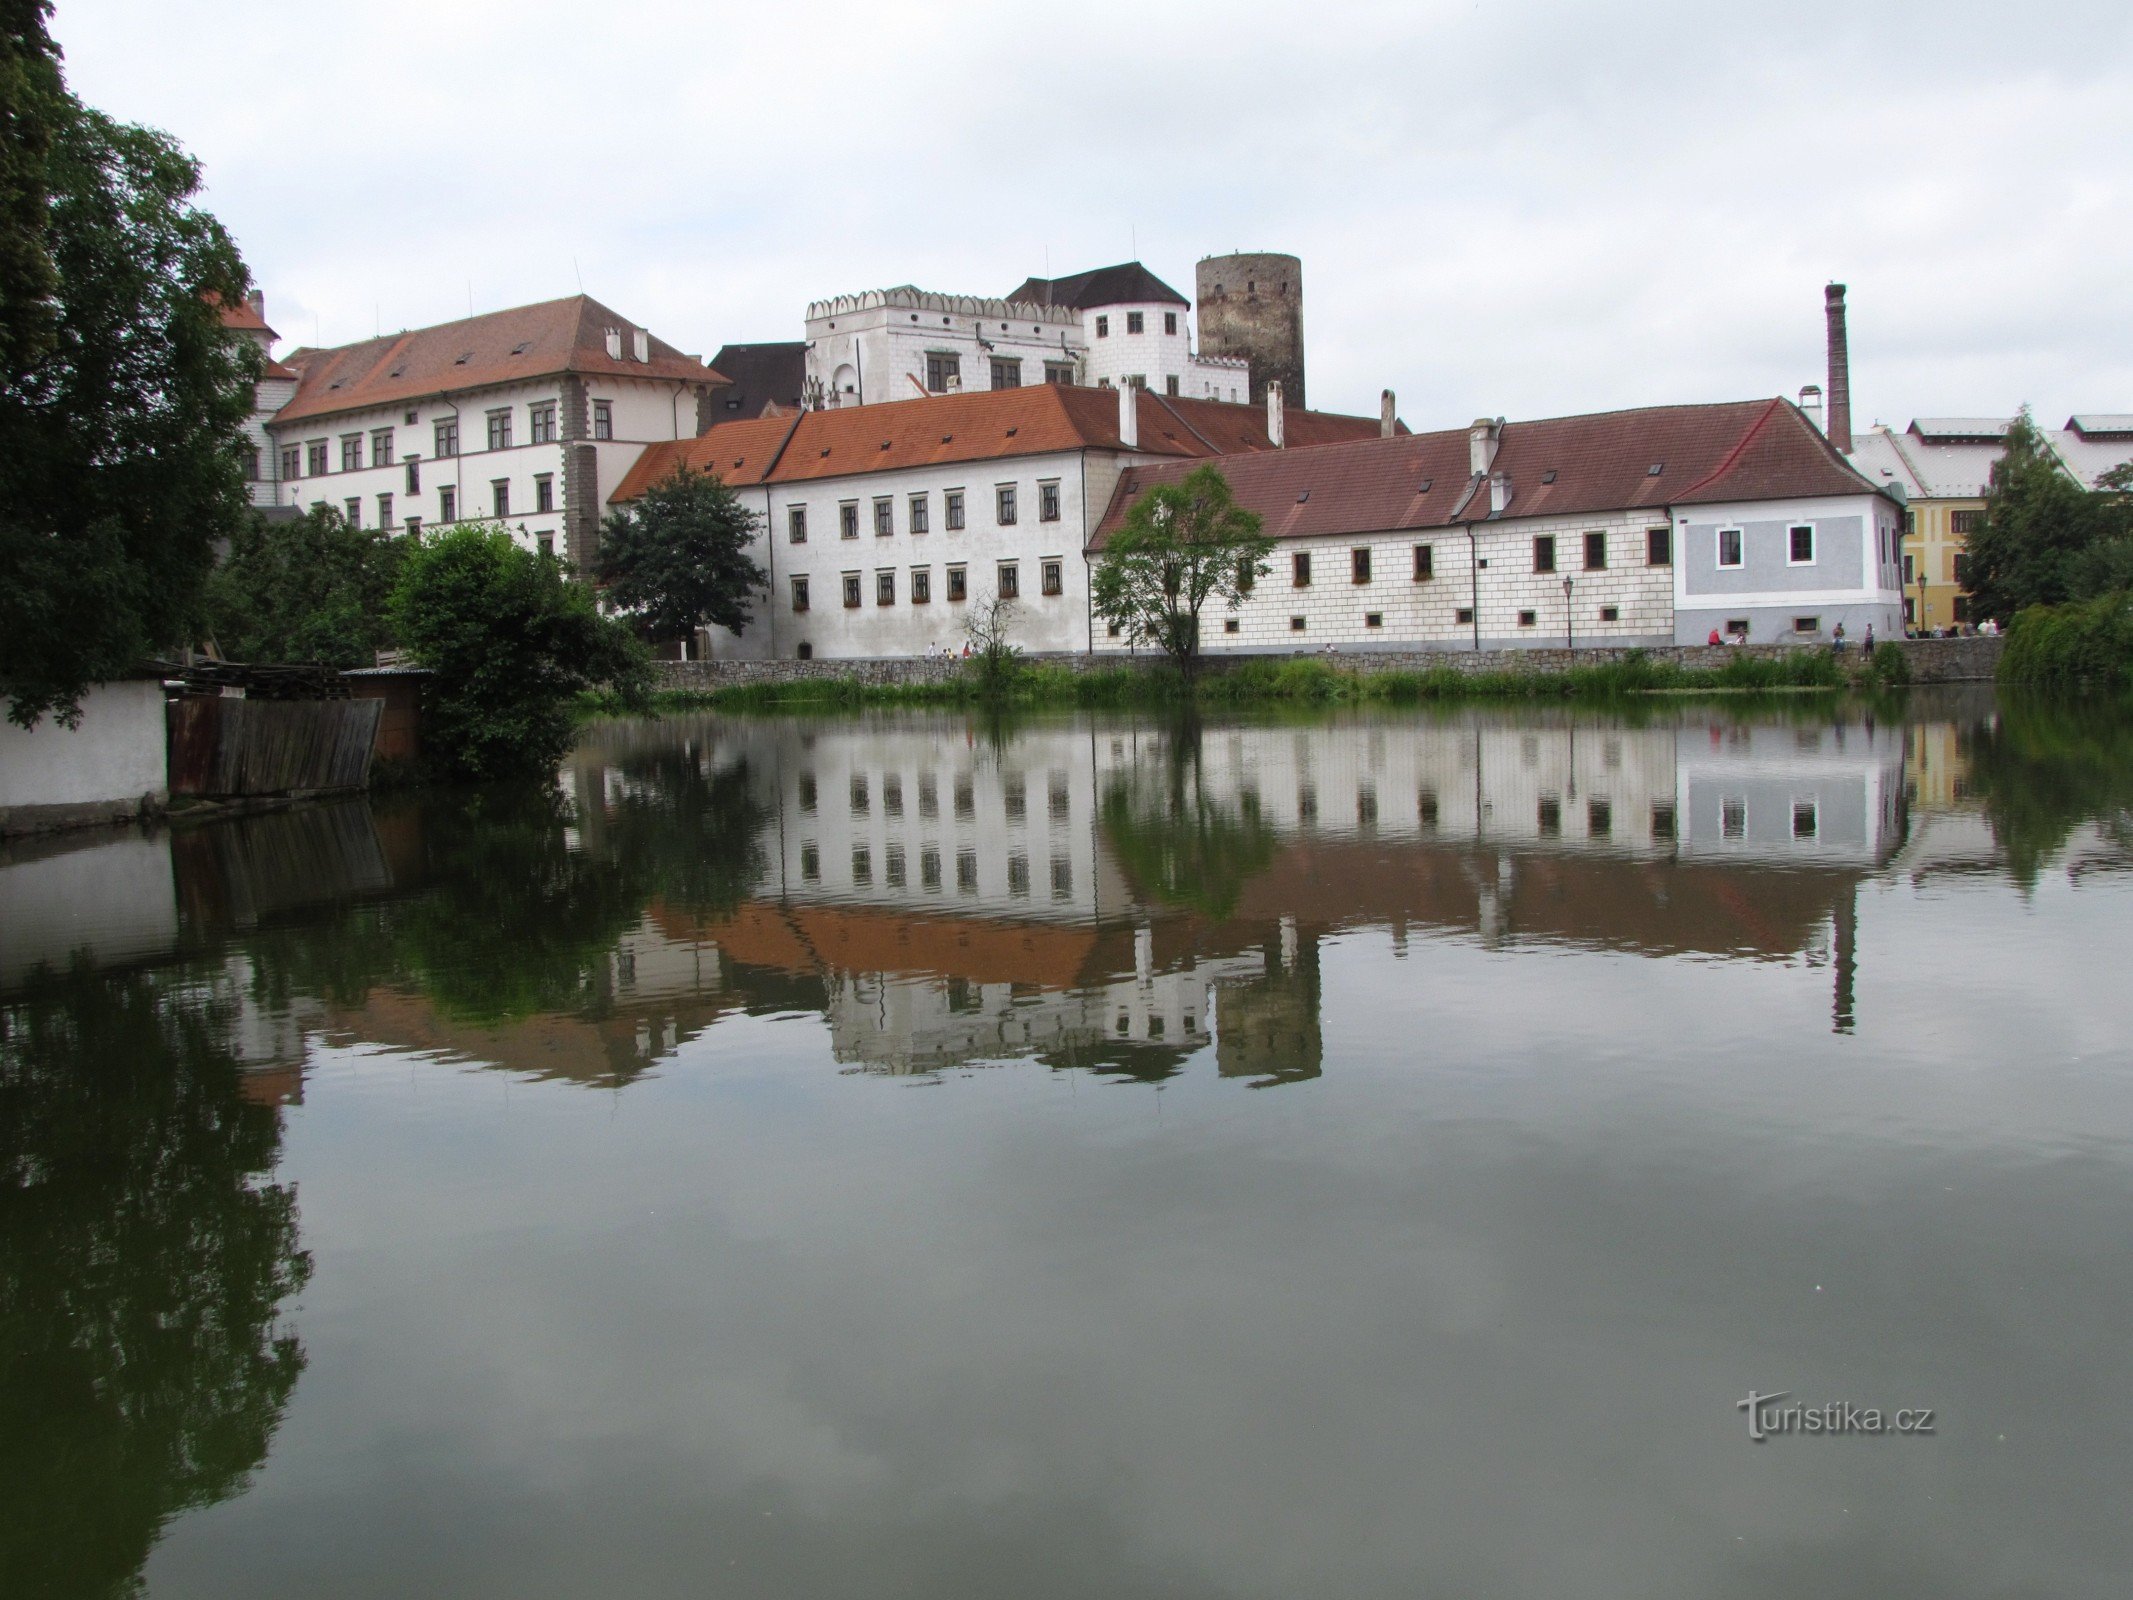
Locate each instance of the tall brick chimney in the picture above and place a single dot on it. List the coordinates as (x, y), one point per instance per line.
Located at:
(1840, 370)
(1387, 415)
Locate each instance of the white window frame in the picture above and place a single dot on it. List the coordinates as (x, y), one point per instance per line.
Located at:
(1740, 549)
(1808, 528)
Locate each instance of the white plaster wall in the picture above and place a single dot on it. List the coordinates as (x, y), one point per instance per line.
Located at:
(118, 752)
(1869, 595)
(113, 899)
(878, 342)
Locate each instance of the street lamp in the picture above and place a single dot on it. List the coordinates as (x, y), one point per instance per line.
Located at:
(1570, 634)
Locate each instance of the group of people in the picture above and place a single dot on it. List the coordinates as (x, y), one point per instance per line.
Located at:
(1988, 629)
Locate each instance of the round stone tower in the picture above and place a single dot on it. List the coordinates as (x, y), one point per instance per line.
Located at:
(1252, 305)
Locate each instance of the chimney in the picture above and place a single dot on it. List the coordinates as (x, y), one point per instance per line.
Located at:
(257, 299)
(1385, 410)
(1840, 370)
(1274, 428)
(1482, 440)
(641, 344)
(1129, 416)
(614, 344)
(1499, 492)
(1811, 405)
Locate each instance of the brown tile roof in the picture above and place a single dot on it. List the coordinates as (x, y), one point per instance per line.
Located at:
(538, 341)
(980, 425)
(1563, 466)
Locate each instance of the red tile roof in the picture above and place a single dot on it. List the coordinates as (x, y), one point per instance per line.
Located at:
(538, 341)
(980, 425)
(1564, 466)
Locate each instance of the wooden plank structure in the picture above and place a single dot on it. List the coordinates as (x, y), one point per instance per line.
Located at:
(223, 748)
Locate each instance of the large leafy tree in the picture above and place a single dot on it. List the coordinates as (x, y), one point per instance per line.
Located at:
(122, 397)
(1182, 546)
(510, 640)
(314, 589)
(677, 560)
(2040, 529)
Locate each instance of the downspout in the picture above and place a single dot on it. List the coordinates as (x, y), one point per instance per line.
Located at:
(1473, 572)
(770, 604)
(1088, 577)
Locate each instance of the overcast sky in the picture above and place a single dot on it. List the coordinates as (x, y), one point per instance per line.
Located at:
(1511, 207)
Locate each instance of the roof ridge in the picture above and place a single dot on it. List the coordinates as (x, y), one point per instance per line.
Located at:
(1732, 457)
(1182, 420)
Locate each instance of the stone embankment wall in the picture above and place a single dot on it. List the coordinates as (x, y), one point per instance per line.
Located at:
(1931, 660)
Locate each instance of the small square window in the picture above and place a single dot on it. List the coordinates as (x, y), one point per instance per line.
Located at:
(1229, 625)
(1806, 624)
(1737, 628)
(1610, 613)
(1133, 322)
(1296, 624)
(1527, 619)
(1464, 616)
(1373, 619)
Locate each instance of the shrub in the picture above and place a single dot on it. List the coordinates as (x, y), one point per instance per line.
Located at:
(2087, 643)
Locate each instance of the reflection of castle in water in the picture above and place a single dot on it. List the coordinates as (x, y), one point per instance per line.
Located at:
(962, 899)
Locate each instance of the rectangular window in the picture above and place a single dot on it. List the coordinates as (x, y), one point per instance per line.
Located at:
(1599, 817)
(799, 594)
(920, 518)
(447, 432)
(1544, 552)
(1004, 505)
(315, 458)
(1296, 624)
(1053, 573)
(1549, 816)
(1805, 821)
(1425, 562)
(1048, 502)
(1910, 570)
(544, 491)
(1464, 616)
(1610, 613)
(541, 423)
(414, 475)
(1059, 372)
(885, 587)
(385, 512)
(1733, 818)
(1229, 625)
(1133, 322)
(1526, 619)
(1662, 820)
(381, 447)
(1373, 619)
(884, 516)
(1006, 373)
(1968, 522)
(1658, 547)
(1806, 624)
(1359, 565)
(292, 461)
(603, 419)
(546, 543)
(351, 452)
(952, 503)
(1595, 552)
(1300, 569)
(851, 591)
(1062, 878)
(1010, 581)
(499, 430)
(1800, 546)
(1170, 323)
(848, 520)
(500, 496)
(944, 371)
(251, 463)
(1170, 383)
(966, 872)
(352, 509)
(448, 504)
(958, 584)
(1729, 547)
(1737, 628)
(1103, 327)
(796, 524)
(921, 585)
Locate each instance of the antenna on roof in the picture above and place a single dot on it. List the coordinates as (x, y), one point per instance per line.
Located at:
(470, 297)
(579, 275)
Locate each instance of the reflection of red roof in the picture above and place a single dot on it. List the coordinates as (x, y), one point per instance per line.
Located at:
(980, 425)
(758, 933)
(538, 341)
(856, 939)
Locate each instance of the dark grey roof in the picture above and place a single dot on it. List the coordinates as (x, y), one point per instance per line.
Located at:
(1128, 283)
(761, 373)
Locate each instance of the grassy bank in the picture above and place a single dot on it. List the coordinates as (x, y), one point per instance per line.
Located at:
(1311, 680)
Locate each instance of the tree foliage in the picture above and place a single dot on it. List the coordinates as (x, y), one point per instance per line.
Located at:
(122, 397)
(2046, 539)
(677, 560)
(1182, 546)
(989, 627)
(510, 640)
(313, 589)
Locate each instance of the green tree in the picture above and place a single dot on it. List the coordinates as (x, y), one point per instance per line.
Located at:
(995, 658)
(678, 560)
(1182, 545)
(1179, 843)
(122, 398)
(2039, 526)
(510, 640)
(315, 589)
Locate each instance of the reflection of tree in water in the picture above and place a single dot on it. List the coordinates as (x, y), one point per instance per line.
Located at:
(2043, 767)
(1177, 842)
(691, 833)
(142, 1263)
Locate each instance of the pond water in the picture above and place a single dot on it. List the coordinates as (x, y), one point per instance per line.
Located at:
(904, 1156)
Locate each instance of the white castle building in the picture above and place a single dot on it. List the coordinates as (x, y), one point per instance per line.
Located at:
(1107, 328)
